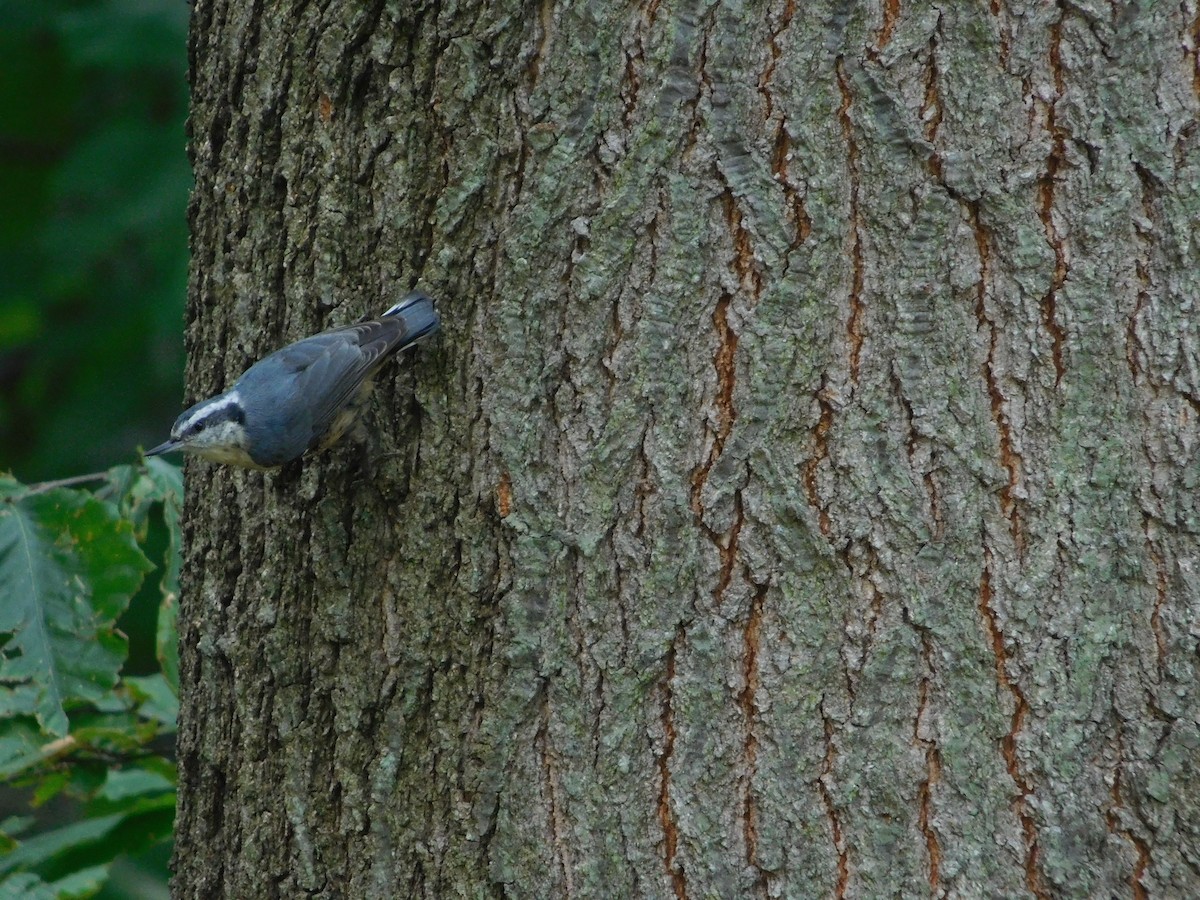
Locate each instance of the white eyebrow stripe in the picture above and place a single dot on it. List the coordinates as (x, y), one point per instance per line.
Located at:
(230, 399)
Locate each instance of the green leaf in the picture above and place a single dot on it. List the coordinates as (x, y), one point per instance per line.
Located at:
(16, 824)
(25, 886)
(168, 480)
(139, 488)
(122, 784)
(50, 787)
(80, 884)
(156, 698)
(68, 568)
(10, 828)
(167, 637)
(21, 743)
(94, 842)
(49, 844)
(113, 735)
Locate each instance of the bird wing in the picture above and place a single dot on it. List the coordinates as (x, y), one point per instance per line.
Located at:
(351, 355)
(328, 368)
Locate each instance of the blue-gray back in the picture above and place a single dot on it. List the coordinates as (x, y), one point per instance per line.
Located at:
(292, 396)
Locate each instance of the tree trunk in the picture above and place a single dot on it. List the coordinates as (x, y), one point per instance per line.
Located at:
(800, 500)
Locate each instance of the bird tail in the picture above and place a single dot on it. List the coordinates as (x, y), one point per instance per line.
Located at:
(418, 314)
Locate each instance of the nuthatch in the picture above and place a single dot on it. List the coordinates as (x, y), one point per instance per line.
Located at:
(302, 397)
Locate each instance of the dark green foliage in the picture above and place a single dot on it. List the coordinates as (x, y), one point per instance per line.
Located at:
(93, 234)
(93, 274)
(70, 562)
(70, 565)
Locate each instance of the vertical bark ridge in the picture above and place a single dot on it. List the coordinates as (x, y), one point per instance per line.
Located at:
(656, 576)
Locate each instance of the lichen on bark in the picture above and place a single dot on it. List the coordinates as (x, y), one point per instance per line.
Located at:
(798, 500)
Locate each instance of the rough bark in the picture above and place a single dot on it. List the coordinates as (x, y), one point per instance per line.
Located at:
(800, 501)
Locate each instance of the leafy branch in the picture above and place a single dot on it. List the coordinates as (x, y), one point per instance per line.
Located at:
(71, 561)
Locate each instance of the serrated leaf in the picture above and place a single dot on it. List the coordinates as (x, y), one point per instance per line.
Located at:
(119, 485)
(167, 479)
(68, 568)
(138, 488)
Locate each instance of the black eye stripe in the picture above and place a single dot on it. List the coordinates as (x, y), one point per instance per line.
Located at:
(231, 412)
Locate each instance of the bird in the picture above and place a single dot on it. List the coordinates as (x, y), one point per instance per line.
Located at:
(303, 397)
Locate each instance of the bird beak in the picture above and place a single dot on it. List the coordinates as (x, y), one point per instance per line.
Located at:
(165, 447)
